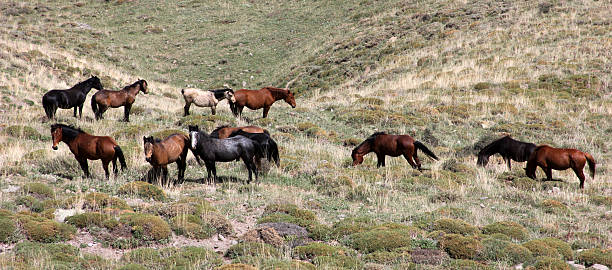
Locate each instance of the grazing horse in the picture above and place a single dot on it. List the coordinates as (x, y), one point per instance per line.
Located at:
(508, 148)
(550, 158)
(73, 97)
(391, 145)
(85, 146)
(160, 153)
(208, 98)
(269, 146)
(262, 98)
(104, 99)
(211, 150)
(223, 132)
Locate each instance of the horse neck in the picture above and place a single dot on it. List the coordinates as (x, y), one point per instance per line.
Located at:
(490, 149)
(277, 93)
(363, 148)
(84, 87)
(132, 90)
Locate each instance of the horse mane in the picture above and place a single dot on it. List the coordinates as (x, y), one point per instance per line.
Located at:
(369, 140)
(68, 132)
(277, 92)
(492, 148)
(83, 83)
(139, 82)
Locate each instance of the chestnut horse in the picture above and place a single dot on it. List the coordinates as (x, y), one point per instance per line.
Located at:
(73, 97)
(550, 158)
(104, 99)
(85, 146)
(262, 98)
(160, 153)
(391, 145)
(223, 132)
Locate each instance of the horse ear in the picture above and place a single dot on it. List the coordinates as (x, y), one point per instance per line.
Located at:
(144, 138)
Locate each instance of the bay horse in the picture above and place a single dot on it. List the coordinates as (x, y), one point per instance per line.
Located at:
(85, 146)
(160, 153)
(223, 132)
(104, 99)
(268, 145)
(262, 98)
(69, 98)
(391, 145)
(208, 98)
(212, 150)
(550, 158)
(508, 148)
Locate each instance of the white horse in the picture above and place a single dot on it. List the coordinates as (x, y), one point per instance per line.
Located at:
(209, 98)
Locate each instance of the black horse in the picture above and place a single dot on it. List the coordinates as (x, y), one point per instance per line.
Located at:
(508, 148)
(269, 146)
(73, 97)
(211, 150)
(220, 93)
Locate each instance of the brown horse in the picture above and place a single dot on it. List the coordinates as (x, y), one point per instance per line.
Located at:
(161, 153)
(85, 146)
(104, 99)
(223, 132)
(550, 158)
(262, 98)
(391, 145)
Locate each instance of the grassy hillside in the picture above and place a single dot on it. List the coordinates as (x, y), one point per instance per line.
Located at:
(454, 75)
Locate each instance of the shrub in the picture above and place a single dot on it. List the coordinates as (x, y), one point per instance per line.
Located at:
(548, 263)
(319, 249)
(25, 132)
(601, 200)
(500, 250)
(387, 257)
(540, 247)
(174, 258)
(185, 206)
(595, 256)
(482, 86)
(563, 248)
(252, 249)
(460, 247)
(468, 265)
(351, 225)
(382, 238)
(8, 229)
(456, 226)
(236, 266)
(143, 190)
(39, 190)
(147, 227)
(554, 207)
(97, 201)
(335, 262)
(512, 229)
(86, 219)
(191, 226)
(40, 229)
(290, 209)
(57, 256)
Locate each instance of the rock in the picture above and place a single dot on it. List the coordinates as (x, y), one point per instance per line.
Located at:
(11, 188)
(482, 205)
(556, 190)
(598, 267)
(90, 244)
(266, 235)
(220, 237)
(283, 229)
(61, 214)
(574, 265)
(518, 266)
(233, 242)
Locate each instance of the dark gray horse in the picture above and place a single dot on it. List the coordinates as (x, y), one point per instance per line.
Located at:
(211, 150)
(269, 146)
(508, 148)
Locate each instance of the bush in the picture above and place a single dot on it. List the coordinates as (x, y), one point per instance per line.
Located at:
(8, 229)
(460, 247)
(56, 256)
(540, 247)
(97, 201)
(319, 249)
(87, 219)
(236, 266)
(185, 206)
(335, 262)
(39, 190)
(25, 132)
(40, 229)
(595, 256)
(290, 209)
(147, 227)
(512, 229)
(351, 225)
(252, 249)
(563, 248)
(548, 263)
(601, 200)
(468, 265)
(554, 207)
(191, 226)
(456, 226)
(382, 238)
(387, 257)
(500, 250)
(174, 258)
(143, 190)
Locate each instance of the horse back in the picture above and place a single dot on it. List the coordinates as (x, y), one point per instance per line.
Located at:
(254, 99)
(392, 145)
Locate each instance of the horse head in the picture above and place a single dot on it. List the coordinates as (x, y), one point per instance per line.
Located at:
(95, 82)
(290, 99)
(483, 160)
(56, 135)
(143, 86)
(229, 95)
(148, 147)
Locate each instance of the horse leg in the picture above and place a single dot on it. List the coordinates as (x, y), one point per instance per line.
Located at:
(186, 108)
(411, 162)
(81, 110)
(75, 111)
(548, 172)
(115, 169)
(181, 164)
(580, 175)
(508, 160)
(105, 166)
(213, 109)
(101, 110)
(381, 160)
(84, 167)
(126, 112)
(239, 109)
(165, 175)
(265, 111)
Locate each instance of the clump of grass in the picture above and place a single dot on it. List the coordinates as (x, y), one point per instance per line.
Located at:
(370, 101)
(387, 257)
(540, 247)
(554, 207)
(56, 256)
(252, 249)
(468, 264)
(351, 225)
(461, 247)
(98, 201)
(236, 266)
(41, 229)
(25, 132)
(550, 263)
(8, 229)
(162, 134)
(337, 262)
(595, 256)
(511, 229)
(174, 258)
(85, 220)
(143, 190)
(456, 226)
(147, 227)
(601, 200)
(186, 206)
(502, 250)
(313, 250)
(383, 237)
(39, 190)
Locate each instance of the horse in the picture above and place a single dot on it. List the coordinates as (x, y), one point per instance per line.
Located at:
(73, 97)
(160, 153)
(550, 158)
(104, 99)
(269, 146)
(223, 132)
(508, 148)
(208, 98)
(85, 146)
(211, 150)
(391, 145)
(262, 98)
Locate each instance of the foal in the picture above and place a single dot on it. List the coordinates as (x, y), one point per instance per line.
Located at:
(73, 97)
(550, 158)
(104, 99)
(508, 148)
(391, 145)
(85, 146)
(161, 153)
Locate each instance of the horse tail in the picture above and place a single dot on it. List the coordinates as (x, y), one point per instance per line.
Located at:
(425, 150)
(591, 162)
(119, 154)
(259, 153)
(48, 106)
(273, 152)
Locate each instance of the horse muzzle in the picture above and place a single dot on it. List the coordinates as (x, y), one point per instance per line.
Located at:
(54, 147)
(148, 159)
